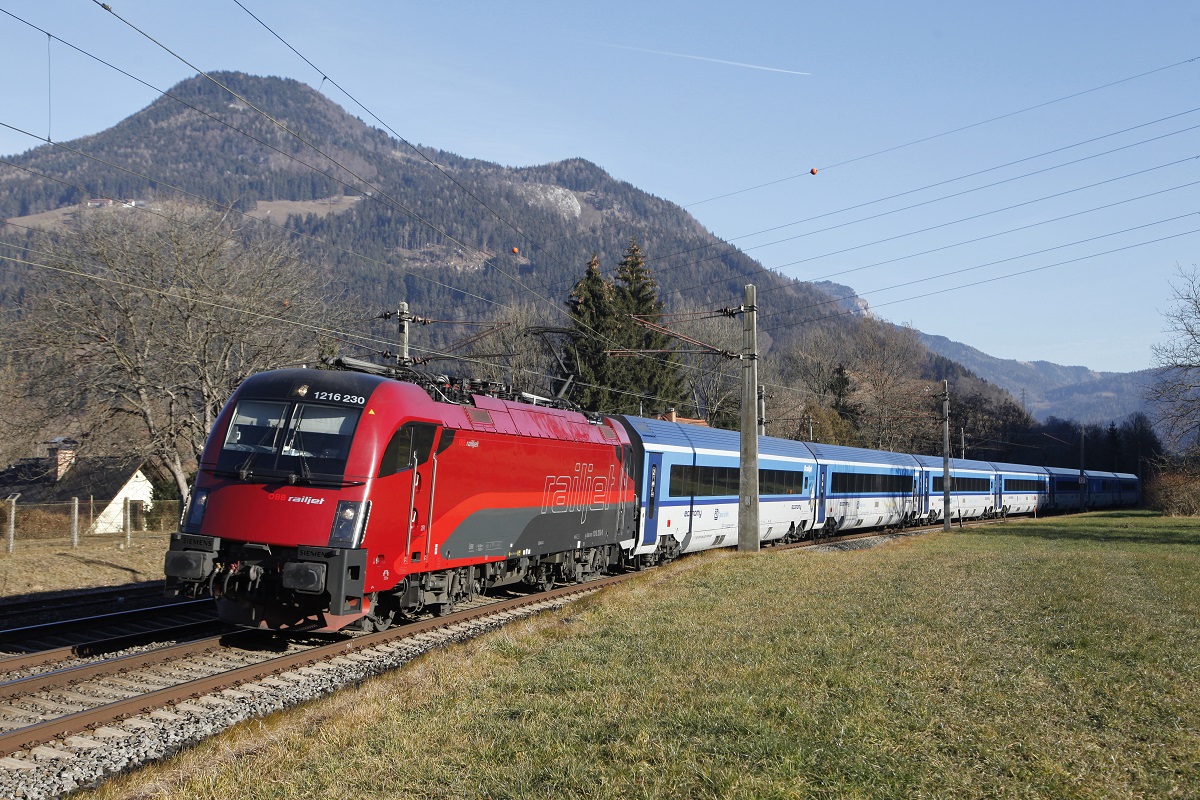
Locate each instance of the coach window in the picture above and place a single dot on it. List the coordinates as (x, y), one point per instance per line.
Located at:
(409, 446)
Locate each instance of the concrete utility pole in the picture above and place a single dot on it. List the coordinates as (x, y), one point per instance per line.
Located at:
(748, 484)
(946, 455)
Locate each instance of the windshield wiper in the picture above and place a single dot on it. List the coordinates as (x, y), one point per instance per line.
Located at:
(243, 470)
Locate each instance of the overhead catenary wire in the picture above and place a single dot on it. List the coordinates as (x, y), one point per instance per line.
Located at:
(498, 216)
(991, 280)
(961, 270)
(880, 151)
(932, 137)
(284, 128)
(923, 203)
(985, 237)
(333, 332)
(731, 250)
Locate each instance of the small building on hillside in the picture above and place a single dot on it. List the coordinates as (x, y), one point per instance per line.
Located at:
(102, 484)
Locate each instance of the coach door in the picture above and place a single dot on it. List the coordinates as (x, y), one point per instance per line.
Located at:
(654, 480)
(821, 495)
(915, 508)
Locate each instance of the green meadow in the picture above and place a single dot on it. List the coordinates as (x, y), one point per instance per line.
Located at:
(1053, 658)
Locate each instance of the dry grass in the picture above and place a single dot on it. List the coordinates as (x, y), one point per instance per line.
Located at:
(1033, 659)
(48, 566)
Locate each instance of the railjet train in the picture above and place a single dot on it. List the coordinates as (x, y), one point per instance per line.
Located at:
(326, 498)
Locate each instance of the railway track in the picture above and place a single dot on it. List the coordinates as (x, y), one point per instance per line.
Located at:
(179, 694)
(105, 632)
(58, 721)
(27, 610)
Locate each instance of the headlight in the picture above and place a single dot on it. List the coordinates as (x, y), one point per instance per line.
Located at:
(197, 504)
(349, 523)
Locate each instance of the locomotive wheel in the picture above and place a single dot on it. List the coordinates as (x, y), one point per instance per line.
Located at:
(381, 616)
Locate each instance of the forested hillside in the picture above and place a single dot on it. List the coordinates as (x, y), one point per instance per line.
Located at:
(470, 241)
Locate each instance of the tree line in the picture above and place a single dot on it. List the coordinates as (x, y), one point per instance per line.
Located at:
(139, 325)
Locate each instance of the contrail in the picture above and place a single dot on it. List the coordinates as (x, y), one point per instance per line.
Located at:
(702, 58)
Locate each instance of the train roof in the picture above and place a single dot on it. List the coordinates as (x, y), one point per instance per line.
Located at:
(938, 462)
(679, 434)
(1063, 472)
(699, 437)
(860, 455)
(1027, 468)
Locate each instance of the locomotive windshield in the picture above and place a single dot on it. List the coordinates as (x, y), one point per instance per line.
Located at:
(295, 442)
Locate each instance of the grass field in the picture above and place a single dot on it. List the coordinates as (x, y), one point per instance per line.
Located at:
(1052, 659)
(53, 565)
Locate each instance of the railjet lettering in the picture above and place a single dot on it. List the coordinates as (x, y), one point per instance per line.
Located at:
(581, 491)
(306, 499)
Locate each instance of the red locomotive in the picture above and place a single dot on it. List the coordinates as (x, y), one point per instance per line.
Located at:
(324, 497)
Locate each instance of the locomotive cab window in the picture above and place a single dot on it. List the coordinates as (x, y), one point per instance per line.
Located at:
(255, 426)
(272, 439)
(409, 447)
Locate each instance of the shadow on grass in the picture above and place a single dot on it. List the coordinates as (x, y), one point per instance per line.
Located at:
(1132, 526)
(95, 562)
(54, 594)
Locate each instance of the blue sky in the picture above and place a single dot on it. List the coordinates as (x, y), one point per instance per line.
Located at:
(695, 101)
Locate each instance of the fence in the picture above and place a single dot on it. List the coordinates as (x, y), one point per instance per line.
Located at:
(80, 520)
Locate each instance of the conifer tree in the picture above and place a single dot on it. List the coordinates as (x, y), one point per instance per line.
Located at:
(594, 317)
(602, 312)
(655, 374)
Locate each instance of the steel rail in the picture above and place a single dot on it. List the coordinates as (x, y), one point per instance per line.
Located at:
(48, 730)
(28, 605)
(45, 629)
(101, 646)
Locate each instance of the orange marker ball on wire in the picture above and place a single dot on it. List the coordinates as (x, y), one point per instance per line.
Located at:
(812, 171)
(515, 251)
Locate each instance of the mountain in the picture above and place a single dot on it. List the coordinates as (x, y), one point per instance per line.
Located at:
(388, 220)
(1047, 389)
(452, 236)
(1043, 388)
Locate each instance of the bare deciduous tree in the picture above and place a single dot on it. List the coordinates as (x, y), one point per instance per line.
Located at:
(145, 321)
(712, 382)
(897, 412)
(1175, 393)
(514, 353)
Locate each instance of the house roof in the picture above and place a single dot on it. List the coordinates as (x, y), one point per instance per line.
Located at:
(101, 478)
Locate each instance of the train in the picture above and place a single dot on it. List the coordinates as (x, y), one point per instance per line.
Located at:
(326, 498)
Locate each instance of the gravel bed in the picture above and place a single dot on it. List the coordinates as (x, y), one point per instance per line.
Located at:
(78, 661)
(86, 760)
(859, 544)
